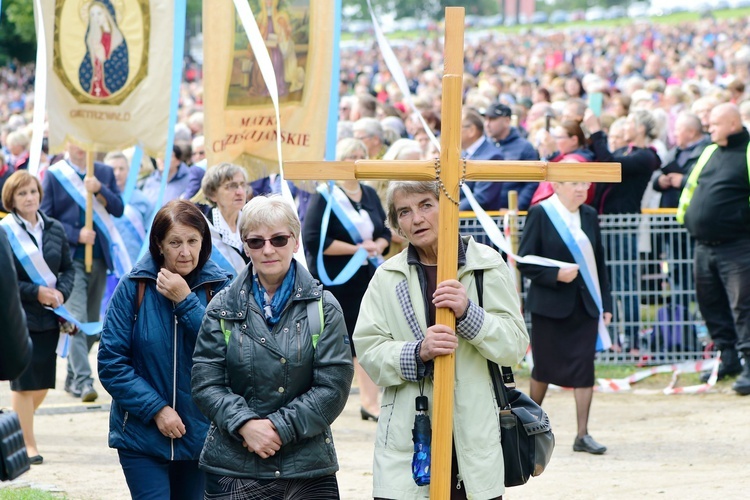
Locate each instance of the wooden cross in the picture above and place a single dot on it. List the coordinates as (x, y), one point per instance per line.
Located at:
(449, 169)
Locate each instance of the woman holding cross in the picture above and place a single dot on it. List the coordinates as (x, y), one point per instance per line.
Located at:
(397, 340)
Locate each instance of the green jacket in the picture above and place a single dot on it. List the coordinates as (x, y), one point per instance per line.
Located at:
(386, 345)
(243, 371)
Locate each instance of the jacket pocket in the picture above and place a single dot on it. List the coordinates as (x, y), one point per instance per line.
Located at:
(124, 421)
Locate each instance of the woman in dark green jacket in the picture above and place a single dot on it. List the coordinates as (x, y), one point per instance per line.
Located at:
(272, 369)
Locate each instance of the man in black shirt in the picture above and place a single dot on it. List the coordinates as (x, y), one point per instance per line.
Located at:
(715, 207)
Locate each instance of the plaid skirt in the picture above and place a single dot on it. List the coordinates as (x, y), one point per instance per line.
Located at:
(233, 488)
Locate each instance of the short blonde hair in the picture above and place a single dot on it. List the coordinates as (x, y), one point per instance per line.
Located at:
(347, 146)
(268, 211)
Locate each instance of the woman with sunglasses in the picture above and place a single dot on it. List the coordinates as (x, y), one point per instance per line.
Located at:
(225, 187)
(272, 370)
(356, 233)
(145, 356)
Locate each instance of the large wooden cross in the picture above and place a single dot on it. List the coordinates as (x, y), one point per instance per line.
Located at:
(450, 170)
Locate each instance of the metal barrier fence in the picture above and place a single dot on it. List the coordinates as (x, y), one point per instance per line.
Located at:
(650, 263)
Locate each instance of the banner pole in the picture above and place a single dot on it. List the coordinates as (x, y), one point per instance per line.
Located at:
(89, 221)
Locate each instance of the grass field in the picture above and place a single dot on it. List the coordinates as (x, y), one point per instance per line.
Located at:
(677, 18)
(28, 494)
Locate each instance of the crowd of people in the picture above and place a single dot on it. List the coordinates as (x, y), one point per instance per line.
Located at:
(666, 102)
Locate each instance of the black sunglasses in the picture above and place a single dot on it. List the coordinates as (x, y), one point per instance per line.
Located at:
(277, 241)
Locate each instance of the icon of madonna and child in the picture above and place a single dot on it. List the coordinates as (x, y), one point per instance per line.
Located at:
(104, 69)
(284, 25)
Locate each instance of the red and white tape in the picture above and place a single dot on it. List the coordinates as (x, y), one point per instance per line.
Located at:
(624, 384)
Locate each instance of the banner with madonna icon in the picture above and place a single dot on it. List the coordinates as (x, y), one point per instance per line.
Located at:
(108, 72)
(239, 116)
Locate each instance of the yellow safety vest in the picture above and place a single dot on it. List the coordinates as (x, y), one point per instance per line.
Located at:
(687, 193)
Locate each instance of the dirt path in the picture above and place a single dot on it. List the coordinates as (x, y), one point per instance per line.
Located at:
(669, 447)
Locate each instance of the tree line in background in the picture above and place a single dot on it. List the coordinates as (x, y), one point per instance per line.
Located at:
(18, 33)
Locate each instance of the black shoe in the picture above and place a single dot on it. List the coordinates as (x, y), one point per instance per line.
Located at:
(71, 389)
(36, 460)
(88, 394)
(742, 384)
(366, 415)
(729, 367)
(587, 444)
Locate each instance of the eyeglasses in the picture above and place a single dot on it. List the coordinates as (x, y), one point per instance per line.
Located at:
(233, 186)
(560, 137)
(277, 241)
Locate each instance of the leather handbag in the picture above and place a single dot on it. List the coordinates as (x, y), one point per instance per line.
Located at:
(13, 458)
(525, 431)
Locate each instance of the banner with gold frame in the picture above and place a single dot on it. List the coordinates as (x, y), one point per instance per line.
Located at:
(109, 78)
(239, 118)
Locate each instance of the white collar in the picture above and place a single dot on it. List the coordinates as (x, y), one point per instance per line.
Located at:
(28, 225)
(473, 148)
(572, 219)
(77, 168)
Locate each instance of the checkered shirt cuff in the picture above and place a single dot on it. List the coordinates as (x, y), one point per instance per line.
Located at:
(410, 361)
(469, 326)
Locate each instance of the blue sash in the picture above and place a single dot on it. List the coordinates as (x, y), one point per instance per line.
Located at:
(357, 259)
(225, 256)
(73, 185)
(135, 168)
(36, 268)
(130, 226)
(603, 340)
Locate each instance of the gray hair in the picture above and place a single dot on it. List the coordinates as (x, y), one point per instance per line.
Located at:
(370, 126)
(18, 138)
(646, 118)
(394, 123)
(691, 120)
(218, 175)
(268, 211)
(345, 147)
(406, 187)
(182, 133)
(401, 148)
(198, 141)
(344, 130)
(116, 155)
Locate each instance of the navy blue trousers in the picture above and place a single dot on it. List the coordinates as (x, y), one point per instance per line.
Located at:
(151, 478)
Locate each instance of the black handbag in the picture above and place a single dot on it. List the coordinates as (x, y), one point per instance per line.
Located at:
(525, 431)
(13, 458)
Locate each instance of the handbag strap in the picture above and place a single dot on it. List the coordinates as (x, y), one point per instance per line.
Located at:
(500, 375)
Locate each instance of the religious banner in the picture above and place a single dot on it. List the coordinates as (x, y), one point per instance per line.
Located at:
(240, 120)
(108, 72)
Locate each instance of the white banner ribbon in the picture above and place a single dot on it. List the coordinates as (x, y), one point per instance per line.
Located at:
(260, 51)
